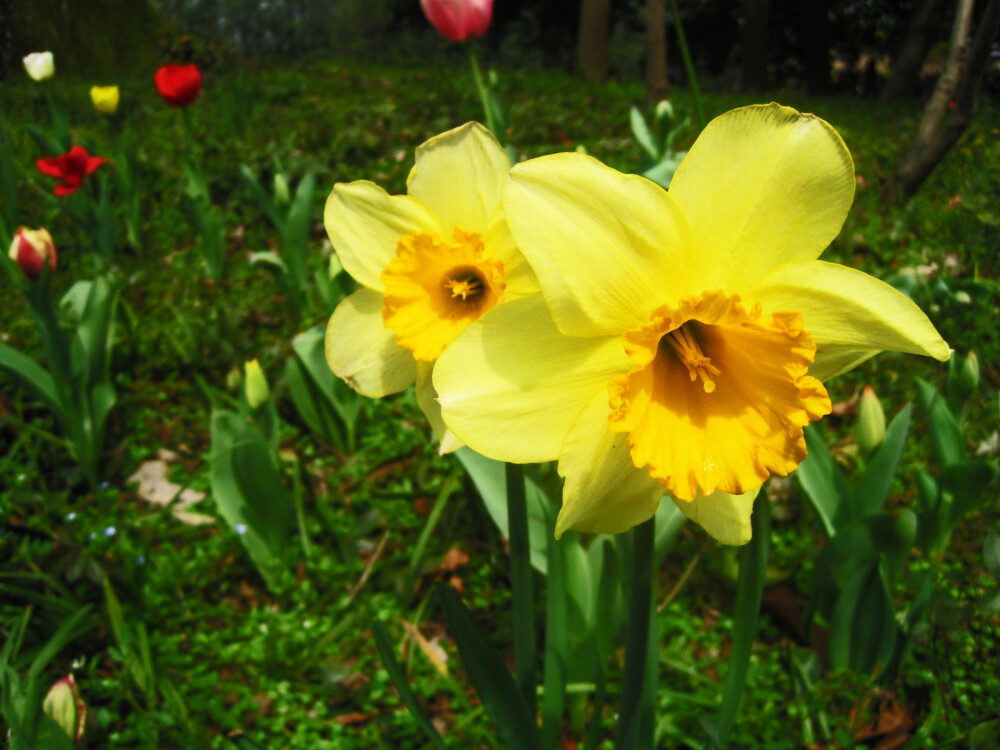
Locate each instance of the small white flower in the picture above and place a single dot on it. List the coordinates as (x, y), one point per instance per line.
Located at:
(40, 65)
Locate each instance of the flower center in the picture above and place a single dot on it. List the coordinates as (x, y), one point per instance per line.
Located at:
(683, 342)
(434, 289)
(744, 422)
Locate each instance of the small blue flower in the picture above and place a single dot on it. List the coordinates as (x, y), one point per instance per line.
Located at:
(241, 529)
(110, 531)
(104, 485)
(140, 559)
(71, 516)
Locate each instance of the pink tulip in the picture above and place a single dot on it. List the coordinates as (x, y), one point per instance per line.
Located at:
(459, 20)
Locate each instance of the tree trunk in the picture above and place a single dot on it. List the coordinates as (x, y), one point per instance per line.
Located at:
(592, 41)
(905, 71)
(656, 51)
(954, 66)
(923, 157)
(755, 27)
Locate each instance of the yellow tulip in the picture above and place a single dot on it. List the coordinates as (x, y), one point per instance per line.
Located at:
(681, 338)
(429, 263)
(105, 99)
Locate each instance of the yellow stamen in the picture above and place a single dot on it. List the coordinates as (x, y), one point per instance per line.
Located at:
(465, 285)
(682, 341)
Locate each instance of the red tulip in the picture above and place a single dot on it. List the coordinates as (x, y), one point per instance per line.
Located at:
(30, 249)
(69, 168)
(459, 20)
(179, 85)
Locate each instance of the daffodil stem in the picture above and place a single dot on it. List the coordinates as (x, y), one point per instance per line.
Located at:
(635, 715)
(522, 585)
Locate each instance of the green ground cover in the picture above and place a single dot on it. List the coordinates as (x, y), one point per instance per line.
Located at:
(297, 667)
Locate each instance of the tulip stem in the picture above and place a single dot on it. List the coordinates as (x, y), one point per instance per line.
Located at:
(522, 585)
(688, 65)
(635, 716)
(486, 98)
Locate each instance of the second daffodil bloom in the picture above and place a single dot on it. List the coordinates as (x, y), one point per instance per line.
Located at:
(430, 263)
(683, 336)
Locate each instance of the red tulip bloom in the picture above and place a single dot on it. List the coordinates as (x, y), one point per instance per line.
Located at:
(179, 85)
(459, 20)
(69, 168)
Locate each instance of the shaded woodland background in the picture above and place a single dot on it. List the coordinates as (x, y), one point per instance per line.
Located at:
(868, 47)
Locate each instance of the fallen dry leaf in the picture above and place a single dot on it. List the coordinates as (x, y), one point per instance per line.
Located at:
(155, 487)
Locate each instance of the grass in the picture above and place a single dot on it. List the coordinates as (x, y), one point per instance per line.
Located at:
(299, 669)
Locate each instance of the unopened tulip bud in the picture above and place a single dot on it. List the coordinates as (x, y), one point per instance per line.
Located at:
(64, 704)
(281, 194)
(257, 390)
(105, 99)
(30, 249)
(664, 112)
(870, 429)
(40, 65)
(963, 377)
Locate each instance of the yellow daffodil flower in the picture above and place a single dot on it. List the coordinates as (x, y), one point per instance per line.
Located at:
(429, 263)
(105, 99)
(681, 338)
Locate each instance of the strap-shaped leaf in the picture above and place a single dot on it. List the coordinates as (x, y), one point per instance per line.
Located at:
(488, 674)
(824, 484)
(945, 432)
(33, 376)
(872, 488)
(398, 677)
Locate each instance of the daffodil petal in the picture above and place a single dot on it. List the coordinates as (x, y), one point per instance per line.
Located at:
(511, 384)
(762, 185)
(459, 176)
(518, 275)
(604, 492)
(427, 401)
(607, 247)
(849, 314)
(725, 517)
(365, 223)
(363, 352)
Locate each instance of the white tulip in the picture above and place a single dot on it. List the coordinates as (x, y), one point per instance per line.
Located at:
(40, 65)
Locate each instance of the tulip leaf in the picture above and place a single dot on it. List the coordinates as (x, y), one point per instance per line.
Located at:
(264, 201)
(490, 479)
(398, 677)
(824, 484)
(34, 377)
(642, 134)
(945, 432)
(247, 488)
(863, 625)
(872, 488)
(488, 674)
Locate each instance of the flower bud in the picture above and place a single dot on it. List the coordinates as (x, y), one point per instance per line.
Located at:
(282, 196)
(64, 704)
(664, 113)
(255, 384)
(459, 20)
(30, 249)
(870, 428)
(963, 377)
(40, 65)
(105, 99)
